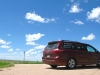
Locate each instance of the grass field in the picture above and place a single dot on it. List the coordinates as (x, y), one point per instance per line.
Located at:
(22, 62)
(4, 64)
(27, 62)
(9, 63)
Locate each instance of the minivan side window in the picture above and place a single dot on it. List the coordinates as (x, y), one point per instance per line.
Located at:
(67, 45)
(90, 49)
(81, 47)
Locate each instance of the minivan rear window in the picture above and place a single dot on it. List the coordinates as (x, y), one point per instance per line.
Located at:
(51, 46)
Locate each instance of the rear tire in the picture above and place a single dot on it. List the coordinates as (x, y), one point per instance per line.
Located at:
(71, 63)
(53, 66)
(83, 65)
(98, 65)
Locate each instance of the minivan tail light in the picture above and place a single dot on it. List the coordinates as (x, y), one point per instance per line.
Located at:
(44, 51)
(56, 49)
(57, 57)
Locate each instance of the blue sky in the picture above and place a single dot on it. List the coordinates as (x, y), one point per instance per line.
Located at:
(28, 25)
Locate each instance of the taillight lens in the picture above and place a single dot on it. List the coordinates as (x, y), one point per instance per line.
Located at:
(44, 51)
(57, 57)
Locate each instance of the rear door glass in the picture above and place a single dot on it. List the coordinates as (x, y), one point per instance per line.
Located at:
(67, 45)
(81, 47)
(51, 46)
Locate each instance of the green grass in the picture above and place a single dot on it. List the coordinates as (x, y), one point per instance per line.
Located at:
(4, 64)
(27, 62)
(23, 62)
(10, 63)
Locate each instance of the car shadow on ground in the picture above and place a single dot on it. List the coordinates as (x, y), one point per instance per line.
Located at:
(77, 68)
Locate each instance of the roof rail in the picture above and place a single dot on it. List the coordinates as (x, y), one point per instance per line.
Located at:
(70, 41)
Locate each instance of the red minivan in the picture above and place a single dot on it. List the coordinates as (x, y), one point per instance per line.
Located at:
(70, 54)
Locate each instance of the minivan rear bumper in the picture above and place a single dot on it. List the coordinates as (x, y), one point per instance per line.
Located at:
(54, 62)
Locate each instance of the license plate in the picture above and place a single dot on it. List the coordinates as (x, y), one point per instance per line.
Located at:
(48, 55)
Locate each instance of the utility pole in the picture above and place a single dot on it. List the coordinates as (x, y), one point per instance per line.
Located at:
(24, 55)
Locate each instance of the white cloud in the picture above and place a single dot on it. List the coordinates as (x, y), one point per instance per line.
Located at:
(30, 38)
(68, 29)
(11, 56)
(75, 9)
(39, 47)
(5, 46)
(33, 37)
(64, 9)
(35, 17)
(36, 50)
(94, 15)
(38, 56)
(77, 22)
(59, 39)
(17, 49)
(85, 1)
(7, 43)
(29, 52)
(39, 51)
(10, 50)
(31, 22)
(89, 37)
(2, 41)
(9, 34)
(31, 43)
(15, 53)
(71, 0)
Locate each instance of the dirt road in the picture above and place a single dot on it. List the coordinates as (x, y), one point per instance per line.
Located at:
(42, 69)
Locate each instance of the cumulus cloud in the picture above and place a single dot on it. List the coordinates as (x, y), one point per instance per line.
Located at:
(17, 49)
(31, 22)
(9, 34)
(64, 9)
(89, 37)
(31, 43)
(15, 53)
(71, 0)
(30, 38)
(2, 41)
(5, 46)
(33, 37)
(79, 22)
(7, 43)
(10, 50)
(29, 52)
(40, 47)
(94, 15)
(35, 17)
(36, 50)
(75, 9)
(85, 1)
(68, 29)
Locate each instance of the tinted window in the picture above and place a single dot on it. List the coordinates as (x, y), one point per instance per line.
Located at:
(81, 47)
(51, 46)
(67, 45)
(90, 49)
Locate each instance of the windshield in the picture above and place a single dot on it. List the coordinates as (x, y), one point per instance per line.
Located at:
(51, 46)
